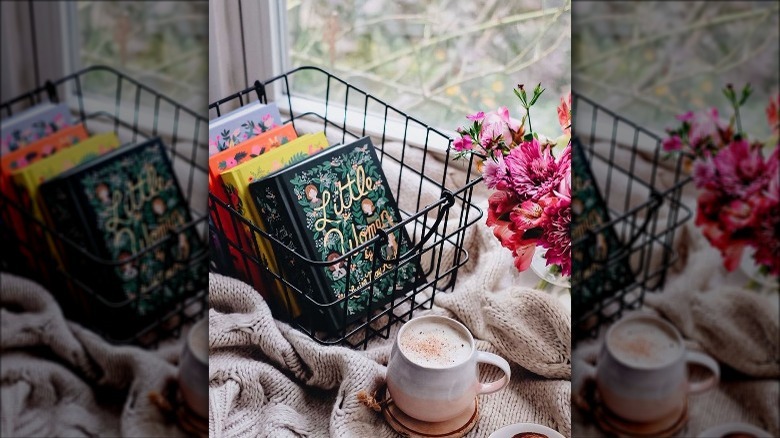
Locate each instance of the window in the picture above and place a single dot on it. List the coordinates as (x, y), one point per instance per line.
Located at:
(625, 63)
(438, 60)
(161, 44)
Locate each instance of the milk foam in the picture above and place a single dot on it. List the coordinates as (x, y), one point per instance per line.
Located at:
(435, 344)
(644, 343)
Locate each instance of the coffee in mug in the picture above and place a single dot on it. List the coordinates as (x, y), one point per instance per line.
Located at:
(433, 375)
(642, 370)
(435, 345)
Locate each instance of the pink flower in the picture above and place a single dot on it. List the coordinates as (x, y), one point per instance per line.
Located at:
(564, 114)
(673, 143)
(522, 249)
(772, 116)
(527, 216)
(495, 173)
(533, 174)
(231, 163)
(497, 127)
(555, 232)
(465, 143)
(499, 204)
(258, 129)
(740, 169)
(476, 117)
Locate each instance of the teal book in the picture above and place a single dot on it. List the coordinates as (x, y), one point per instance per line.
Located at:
(330, 205)
(126, 208)
(600, 265)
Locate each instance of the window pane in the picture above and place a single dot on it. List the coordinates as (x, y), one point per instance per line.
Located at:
(439, 59)
(626, 64)
(161, 44)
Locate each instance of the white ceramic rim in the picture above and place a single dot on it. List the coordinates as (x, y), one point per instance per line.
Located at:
(512, 429)
(195, 328)
(439, 317)
(656, 320)
(724, 429)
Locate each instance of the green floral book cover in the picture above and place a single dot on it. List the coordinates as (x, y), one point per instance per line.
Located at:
(600, 267)
(332, 205)
(123, 205)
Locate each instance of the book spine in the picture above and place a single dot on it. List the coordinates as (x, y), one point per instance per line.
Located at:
(272, 203)
(237, 194)
(61, 210)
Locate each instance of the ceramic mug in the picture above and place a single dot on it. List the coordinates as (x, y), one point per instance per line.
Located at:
(194, 369)
(440, 393)
(639, 385)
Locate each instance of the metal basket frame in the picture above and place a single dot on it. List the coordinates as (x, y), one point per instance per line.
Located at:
(433, 227)
(647, 239)
(132, 101)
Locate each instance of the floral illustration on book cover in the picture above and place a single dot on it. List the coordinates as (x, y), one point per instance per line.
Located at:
(35, 131)
(228, 138)
(344, 202)
(137, 203)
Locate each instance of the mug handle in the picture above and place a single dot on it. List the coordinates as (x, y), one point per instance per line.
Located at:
(707, 362)
(497, 361)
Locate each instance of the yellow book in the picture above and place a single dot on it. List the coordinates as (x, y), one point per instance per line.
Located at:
(236, 182)
(28, 179)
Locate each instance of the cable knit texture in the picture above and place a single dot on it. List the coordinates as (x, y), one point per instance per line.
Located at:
(59, 379)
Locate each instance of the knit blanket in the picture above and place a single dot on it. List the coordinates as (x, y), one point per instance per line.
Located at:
(59, 379)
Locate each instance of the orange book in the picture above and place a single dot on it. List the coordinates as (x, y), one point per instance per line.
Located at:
(25, 156)
(228, 159)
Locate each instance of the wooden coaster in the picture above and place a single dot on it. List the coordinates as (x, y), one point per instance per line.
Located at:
(413, 428)
(614, 425)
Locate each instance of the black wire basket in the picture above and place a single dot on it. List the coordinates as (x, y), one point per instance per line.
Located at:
(641, 187)
(105, 100)
(435, 203)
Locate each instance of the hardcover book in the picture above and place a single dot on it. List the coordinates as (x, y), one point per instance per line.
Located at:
(24, 157)
(248, 150)
(322, 209)
(230, 158)
(122, 206)
(236, 185)
(27, 180)
(32, 124)
(600, 267)
(242, 124)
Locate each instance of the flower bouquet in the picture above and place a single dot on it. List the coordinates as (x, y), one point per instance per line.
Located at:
(530, 210)
(738, 179)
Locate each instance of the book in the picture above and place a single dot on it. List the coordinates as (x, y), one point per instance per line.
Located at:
(242, 124)
(230, 158)
(32, 124)
(27, 180)
(247, 150)
(236, 185)
(325, 207)
(23, 157)
(123, 206)
(599, 266)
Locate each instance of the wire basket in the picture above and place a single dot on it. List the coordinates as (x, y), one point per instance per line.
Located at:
(641, 187)
(434, 202)
(105, 100)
